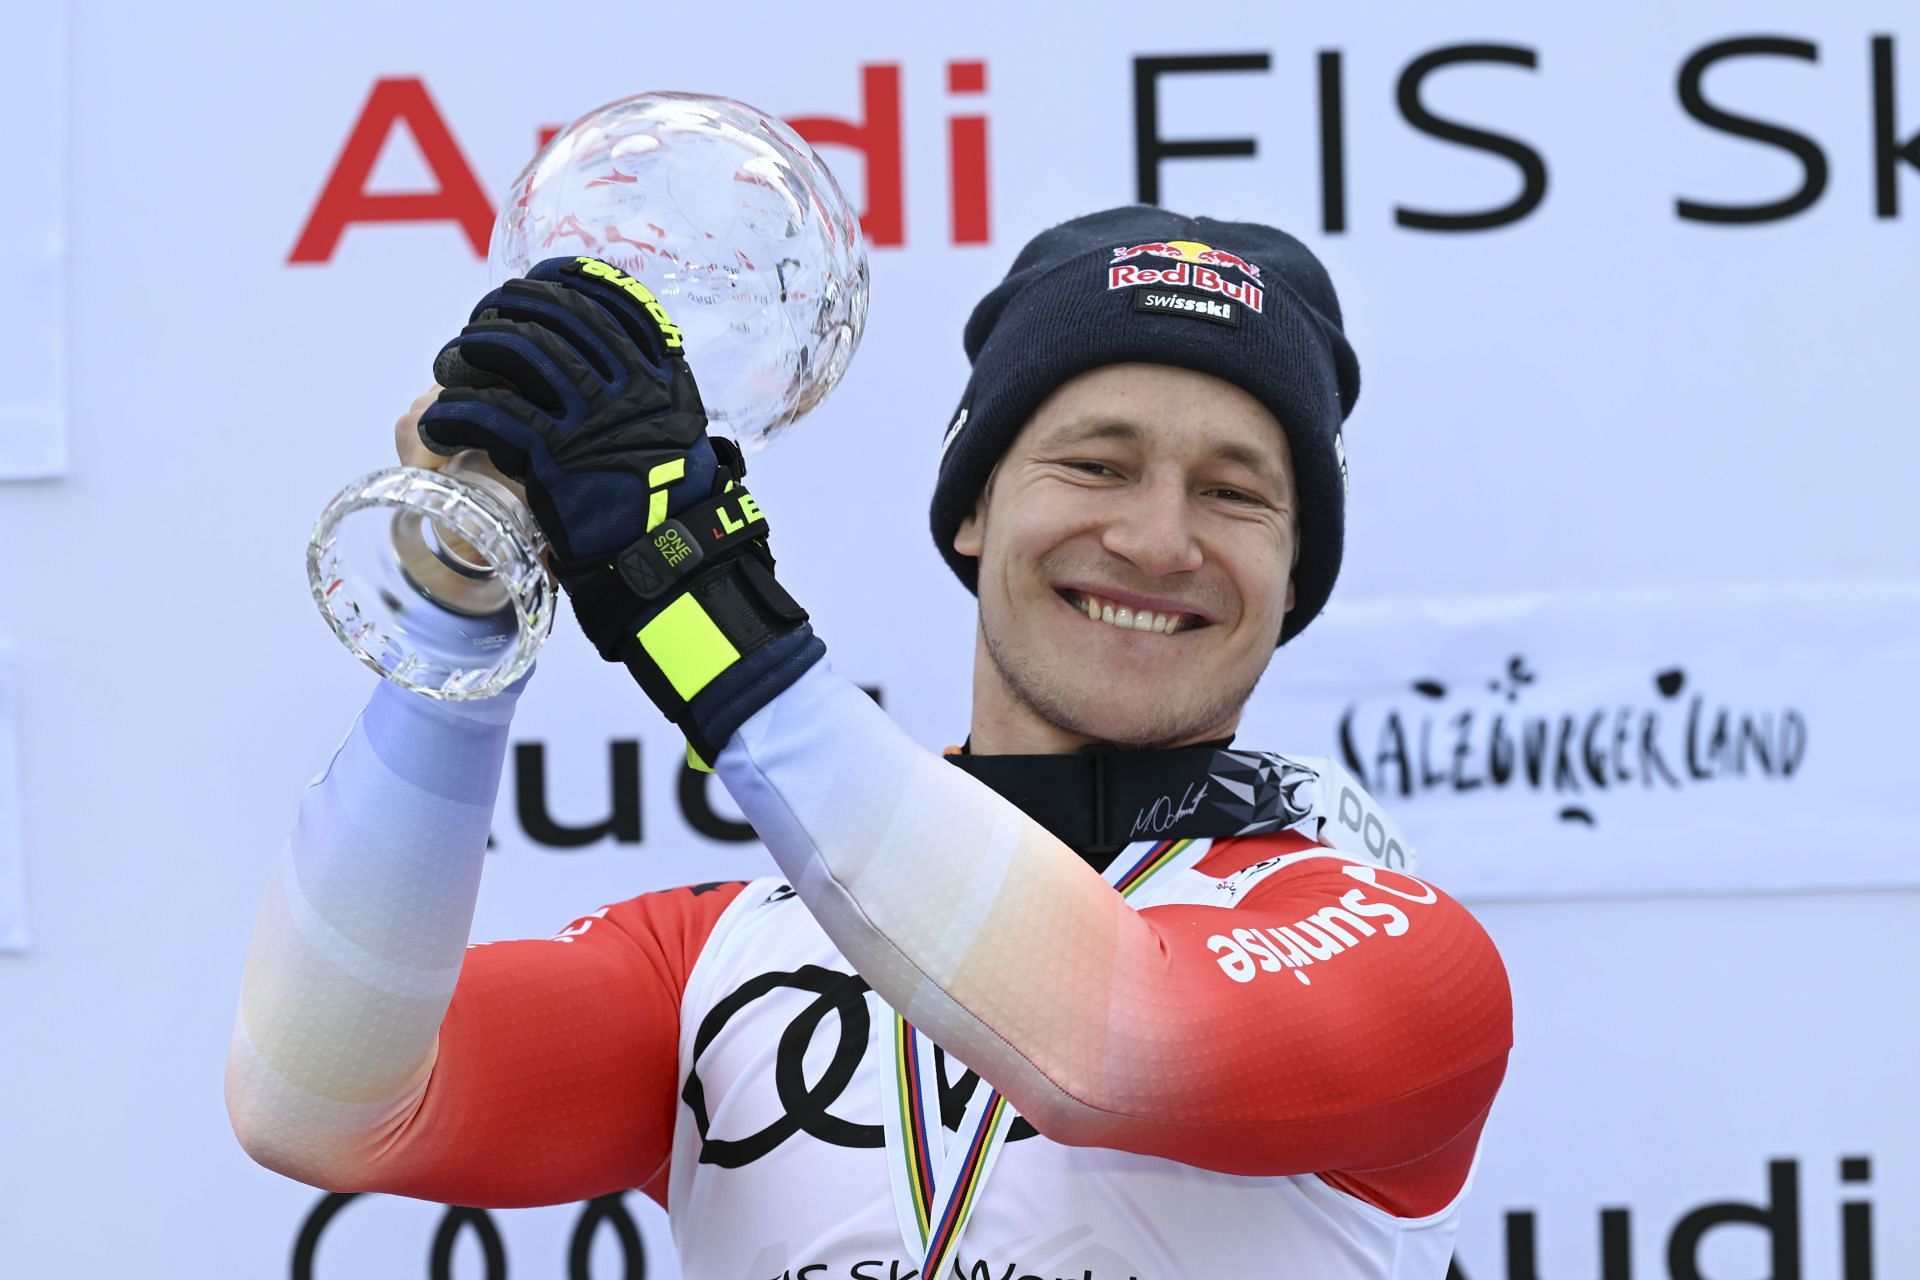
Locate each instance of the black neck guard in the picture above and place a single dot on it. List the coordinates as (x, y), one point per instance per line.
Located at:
(1101, 799)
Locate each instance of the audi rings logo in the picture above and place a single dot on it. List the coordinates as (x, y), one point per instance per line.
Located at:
(608, 1212)
(805, 1108)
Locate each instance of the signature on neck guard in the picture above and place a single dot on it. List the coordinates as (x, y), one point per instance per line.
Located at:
(1158, 817)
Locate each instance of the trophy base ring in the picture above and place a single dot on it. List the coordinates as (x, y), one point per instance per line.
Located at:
(436, 581)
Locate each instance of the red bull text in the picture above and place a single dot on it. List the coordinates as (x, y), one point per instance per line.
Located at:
(1188, 275)
(1197, 266)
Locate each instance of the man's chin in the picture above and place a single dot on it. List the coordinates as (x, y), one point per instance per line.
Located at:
(1129, 717)
(1149, 735)
(1119, 702)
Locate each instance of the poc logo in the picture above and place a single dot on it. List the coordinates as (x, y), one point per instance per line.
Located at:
(1357, 816)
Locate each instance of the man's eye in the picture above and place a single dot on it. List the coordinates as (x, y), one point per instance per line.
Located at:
(1234, 495)
(1090, 467)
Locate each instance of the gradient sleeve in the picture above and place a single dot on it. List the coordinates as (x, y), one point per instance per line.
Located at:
(374, 1051)
(1159, 1031)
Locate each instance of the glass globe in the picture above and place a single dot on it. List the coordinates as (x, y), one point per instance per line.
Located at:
(437, 579)
(732, 221)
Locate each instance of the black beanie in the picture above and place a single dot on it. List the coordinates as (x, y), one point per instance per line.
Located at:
(1243, 302)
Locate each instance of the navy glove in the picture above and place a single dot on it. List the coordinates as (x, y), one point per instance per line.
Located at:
(574, 388)
(573, 382)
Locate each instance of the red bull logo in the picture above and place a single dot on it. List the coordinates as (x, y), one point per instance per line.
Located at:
(1196, 266)
(1204, 255)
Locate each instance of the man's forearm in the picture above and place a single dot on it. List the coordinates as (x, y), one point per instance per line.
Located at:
(359, 942)
(943, 895)
(1113, 1027)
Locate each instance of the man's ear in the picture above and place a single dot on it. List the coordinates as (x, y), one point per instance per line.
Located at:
(966, 539)
(1288, 607)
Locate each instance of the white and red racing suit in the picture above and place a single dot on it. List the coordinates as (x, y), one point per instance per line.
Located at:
(1271, 1059)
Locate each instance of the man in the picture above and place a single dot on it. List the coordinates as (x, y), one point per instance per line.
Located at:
(1247, 1043)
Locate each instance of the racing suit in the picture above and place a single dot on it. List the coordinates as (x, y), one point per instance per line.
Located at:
(1252, 1056)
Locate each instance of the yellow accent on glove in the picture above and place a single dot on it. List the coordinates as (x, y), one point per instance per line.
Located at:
(687, 646)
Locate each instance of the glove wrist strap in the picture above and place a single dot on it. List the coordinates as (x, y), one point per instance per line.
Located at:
(675, 547)
(609, 592)
(704, 656)
(694, 612)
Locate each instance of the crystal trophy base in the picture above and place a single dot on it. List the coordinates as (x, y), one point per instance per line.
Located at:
(435, 579)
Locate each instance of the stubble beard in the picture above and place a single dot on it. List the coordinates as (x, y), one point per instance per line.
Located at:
(1162, 722)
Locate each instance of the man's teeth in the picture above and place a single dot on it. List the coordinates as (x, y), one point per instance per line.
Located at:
(1120, 615)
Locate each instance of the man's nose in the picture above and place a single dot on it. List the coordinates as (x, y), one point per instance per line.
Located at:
(1152, 526)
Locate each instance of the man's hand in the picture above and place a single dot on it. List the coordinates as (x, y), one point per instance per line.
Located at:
(406, 434)
(574, 382)
(412, 453)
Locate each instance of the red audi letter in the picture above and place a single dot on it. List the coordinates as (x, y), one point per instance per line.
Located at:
(345, 199)
(877, 139)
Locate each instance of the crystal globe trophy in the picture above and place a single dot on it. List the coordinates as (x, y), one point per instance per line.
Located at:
(437, 579)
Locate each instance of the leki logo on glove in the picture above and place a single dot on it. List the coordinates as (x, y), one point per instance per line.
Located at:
(640, 293)
(729, 523)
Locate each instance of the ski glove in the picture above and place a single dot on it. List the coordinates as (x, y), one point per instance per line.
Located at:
(574, 382)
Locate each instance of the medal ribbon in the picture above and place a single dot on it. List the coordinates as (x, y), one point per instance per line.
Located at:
(933, 1210)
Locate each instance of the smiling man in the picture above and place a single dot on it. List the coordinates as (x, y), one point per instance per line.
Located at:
(1110, 997)
(1146, 499)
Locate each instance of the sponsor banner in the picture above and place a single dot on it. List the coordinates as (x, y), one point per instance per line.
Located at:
(13, 854)
(33, 274)
(1651, 742)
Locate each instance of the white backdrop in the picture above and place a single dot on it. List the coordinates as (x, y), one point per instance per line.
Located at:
(1604, 439)
(33, 223)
